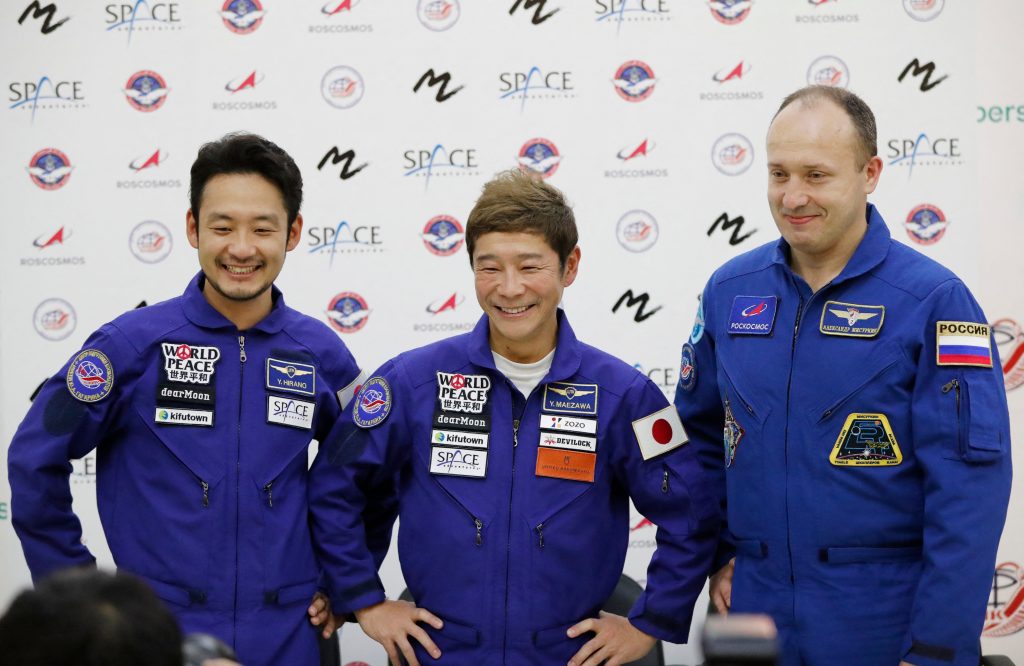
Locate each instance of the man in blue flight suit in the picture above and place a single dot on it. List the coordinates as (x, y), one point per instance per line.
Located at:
(515, 449)
(866, 438)
(201, 409)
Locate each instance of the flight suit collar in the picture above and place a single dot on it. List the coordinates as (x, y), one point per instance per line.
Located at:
(199, 311)
(568, 354)
(870, 253)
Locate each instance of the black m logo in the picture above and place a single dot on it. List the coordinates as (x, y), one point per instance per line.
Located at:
(346, 169)
(432, 79)
(537, 6)
(640, 301)
(737, 222)
(915, 68)
(46, 13)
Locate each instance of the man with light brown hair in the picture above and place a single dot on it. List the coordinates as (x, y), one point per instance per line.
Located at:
(515, 450)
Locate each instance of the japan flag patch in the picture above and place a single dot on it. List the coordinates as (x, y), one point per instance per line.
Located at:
(659, 432)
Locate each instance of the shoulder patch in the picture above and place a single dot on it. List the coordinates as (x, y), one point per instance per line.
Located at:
(698, 324)
(90, 376)
(346, 394)
(688, 367)
(963, 343)
(373, 402)
(659, 432)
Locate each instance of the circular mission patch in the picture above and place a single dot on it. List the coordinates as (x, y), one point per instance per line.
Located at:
(90, 376)
(372, 403)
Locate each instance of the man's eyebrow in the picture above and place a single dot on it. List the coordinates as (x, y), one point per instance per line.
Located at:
(524, 255)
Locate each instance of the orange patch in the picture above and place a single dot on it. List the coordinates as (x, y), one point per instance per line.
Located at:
(562, 464)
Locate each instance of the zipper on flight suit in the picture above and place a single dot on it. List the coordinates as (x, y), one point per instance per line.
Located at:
(238, 473)
(206, 493)
(546, 520)
(954, 385)
(789, 393)
(477, 523)
(270, 494)
(511, 493)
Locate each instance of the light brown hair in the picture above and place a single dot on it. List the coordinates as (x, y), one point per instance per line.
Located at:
(516, 202)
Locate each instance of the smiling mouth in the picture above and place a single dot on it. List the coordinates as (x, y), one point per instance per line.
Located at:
(514, 311)
(240, 270)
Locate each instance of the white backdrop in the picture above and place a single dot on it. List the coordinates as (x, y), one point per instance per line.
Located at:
(95, 180)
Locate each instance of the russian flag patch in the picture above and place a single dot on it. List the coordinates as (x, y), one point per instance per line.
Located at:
(963, 343)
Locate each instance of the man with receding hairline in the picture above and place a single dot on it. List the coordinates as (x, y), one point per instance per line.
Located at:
(866, 438)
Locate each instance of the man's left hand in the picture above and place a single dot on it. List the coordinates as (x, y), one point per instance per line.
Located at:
(617, 641)
(319, 612)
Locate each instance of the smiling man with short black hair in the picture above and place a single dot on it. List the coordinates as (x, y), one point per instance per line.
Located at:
(201, 409)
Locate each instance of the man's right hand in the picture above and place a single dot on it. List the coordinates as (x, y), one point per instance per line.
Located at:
(721, 587)
(391, 623)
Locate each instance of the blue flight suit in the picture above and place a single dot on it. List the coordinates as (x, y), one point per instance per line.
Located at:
(867, 471)
(508, 538)
(215, 517)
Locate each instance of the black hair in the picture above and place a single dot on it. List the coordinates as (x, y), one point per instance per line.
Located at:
(83, 617)
(242, 153)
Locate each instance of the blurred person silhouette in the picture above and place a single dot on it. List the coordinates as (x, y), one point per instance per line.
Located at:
(79, 617)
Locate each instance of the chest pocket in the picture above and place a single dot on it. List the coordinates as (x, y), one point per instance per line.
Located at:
(199, 449)
(749, 415)
(868, 375)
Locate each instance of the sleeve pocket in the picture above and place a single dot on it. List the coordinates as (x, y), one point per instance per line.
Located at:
(981, 437)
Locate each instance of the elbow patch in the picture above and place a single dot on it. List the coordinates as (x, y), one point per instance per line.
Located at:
(62, 413)
(349, 444)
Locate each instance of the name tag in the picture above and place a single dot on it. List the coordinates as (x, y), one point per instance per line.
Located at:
(291, 376)
(290, 412)
(570, 398)
(851, 320)
(448, 461)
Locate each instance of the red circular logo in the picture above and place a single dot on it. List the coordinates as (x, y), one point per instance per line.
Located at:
(50, 169)
(662, 431)
(183, 352)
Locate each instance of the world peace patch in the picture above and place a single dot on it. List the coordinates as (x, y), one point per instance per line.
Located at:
(90, 376)
(372, 403)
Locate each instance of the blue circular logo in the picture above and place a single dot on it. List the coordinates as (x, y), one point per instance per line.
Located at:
(373, 402)
(688, 368)
(90, 376)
